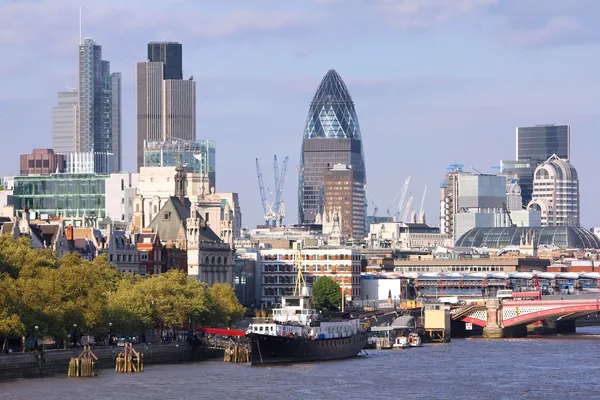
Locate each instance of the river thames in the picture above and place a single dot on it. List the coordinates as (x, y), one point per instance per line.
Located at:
(556, 367)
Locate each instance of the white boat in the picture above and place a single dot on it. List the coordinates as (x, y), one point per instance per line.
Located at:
(401, 342)
(414, 340)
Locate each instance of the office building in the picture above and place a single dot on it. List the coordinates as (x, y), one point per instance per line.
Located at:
(64, 121)
(166, 104)
(278, 271)
(331, 136)
(179, 110)
(556, 193)
(195, 155)
(95, 126)
(89, 163)
(540, 142)
(117, 121)
(170, 54)
(534, 145)
(42, 162)
(344, 193)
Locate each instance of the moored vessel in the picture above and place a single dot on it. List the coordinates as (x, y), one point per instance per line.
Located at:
(297, 332)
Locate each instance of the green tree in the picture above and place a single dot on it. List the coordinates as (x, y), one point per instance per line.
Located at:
(225, 307)
(327, 294)
(10, 321)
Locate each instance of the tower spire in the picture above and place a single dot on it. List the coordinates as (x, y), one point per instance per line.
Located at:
(80, 36)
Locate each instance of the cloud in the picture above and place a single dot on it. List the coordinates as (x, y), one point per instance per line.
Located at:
(557, 29)
(23, 22)
(419, 13)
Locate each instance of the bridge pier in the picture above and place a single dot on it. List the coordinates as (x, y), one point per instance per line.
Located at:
(492, 329)
(567, 326)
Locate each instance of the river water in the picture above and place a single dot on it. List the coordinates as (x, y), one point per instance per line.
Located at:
(564, 367)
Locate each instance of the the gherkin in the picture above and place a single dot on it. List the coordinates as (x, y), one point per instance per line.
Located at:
(331, 136)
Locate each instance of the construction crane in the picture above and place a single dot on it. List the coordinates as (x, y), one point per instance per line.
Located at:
(407, 209)
(267, 208)
(455, 167)
(279, 209)
(375, 208)
(421, 211)
(402, 197)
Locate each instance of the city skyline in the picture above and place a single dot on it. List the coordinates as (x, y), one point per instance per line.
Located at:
(437, 85)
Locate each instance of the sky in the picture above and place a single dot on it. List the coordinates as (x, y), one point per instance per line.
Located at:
(434, 82)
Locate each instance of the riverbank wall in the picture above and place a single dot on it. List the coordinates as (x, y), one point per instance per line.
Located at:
(56, 362)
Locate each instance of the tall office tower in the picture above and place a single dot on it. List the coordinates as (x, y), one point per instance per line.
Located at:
(541, 142)
(556, 192)
(117, 121)
(170, 54)
(95, 127)
(534, 145)
(331, 136)
(64, 122)
(343, 197)
(179, 110)
(149, 106)
(166, 107)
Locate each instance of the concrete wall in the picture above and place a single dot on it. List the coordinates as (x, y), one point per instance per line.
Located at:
(30, 365)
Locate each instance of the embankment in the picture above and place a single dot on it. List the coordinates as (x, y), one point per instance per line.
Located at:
(48, 363)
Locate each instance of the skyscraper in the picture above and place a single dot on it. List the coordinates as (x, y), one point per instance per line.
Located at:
(166, 104)
(171, 55)
(331, 136)
(534, 145)
(64, 122)
(95, 126)
(556, 192)
(541, 142)
(117, 121)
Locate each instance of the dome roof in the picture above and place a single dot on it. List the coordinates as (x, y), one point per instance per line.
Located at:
(556, 167)
(332, 114)
(565, 237)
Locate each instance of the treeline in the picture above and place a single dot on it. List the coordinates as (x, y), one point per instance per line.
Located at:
(56, 295)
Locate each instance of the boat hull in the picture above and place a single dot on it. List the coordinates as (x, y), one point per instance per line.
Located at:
(268, 349)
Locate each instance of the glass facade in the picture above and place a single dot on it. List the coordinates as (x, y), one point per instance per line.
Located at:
(170, 54)
(95, 101)
(331, 136)
(199, 155)
(69, 195)
(564, 237)
(542, 141)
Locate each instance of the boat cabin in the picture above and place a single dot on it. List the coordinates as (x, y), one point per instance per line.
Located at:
(296, 309)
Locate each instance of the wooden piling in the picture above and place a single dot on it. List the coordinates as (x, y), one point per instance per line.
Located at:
(85, 365)
(129, 360)
(236, 353)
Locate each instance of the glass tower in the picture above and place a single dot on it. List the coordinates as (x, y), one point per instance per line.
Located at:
(170, 54)
(541, 142)
(199, 155)
(331, 136)
(95, 119)
(535, 144)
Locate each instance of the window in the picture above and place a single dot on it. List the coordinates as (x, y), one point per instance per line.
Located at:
(167, 215)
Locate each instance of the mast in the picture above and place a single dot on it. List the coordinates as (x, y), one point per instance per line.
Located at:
(300, 282)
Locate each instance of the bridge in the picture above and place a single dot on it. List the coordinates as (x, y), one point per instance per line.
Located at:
(507, 318)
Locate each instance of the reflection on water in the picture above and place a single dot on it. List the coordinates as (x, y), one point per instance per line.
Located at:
(473, 369)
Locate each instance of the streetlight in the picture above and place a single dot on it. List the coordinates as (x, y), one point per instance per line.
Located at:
(74, 335)
(109, 332)
(36, 335)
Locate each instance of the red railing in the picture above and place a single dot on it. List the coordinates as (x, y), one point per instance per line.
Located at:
(221, 331)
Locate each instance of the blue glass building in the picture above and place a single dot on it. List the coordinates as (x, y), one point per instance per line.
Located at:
(331, 136)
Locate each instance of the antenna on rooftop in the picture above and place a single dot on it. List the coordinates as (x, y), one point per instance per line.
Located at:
(80, 25)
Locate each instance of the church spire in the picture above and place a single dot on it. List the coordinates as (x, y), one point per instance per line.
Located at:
(180, 181)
